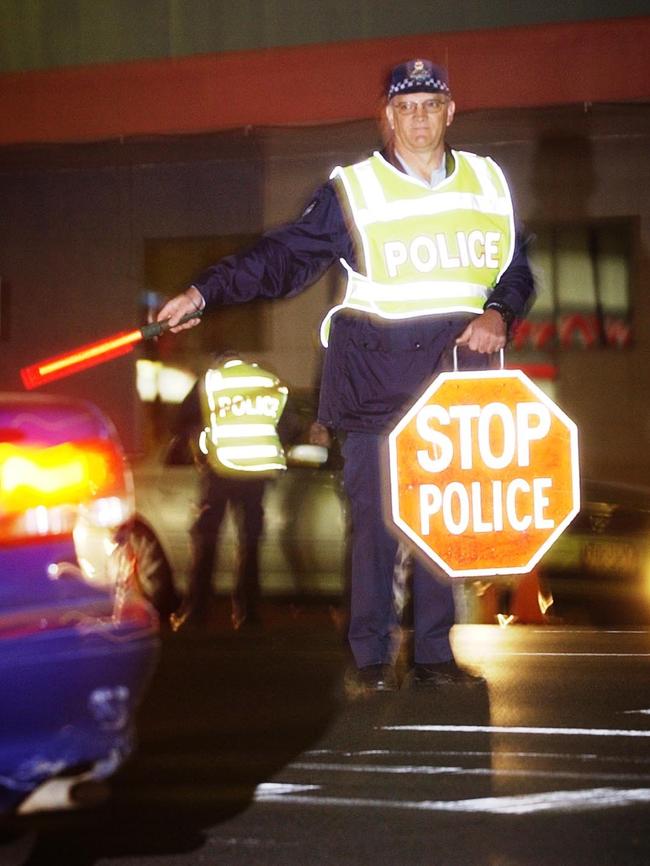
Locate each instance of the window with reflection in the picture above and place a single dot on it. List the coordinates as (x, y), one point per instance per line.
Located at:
(583, 274)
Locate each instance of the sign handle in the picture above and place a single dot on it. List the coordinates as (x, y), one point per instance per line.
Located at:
(502, 360)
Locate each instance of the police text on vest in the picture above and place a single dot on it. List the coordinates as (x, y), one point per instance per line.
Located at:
(463, 249)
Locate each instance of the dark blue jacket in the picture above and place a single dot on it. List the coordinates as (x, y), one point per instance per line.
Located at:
(373, 367)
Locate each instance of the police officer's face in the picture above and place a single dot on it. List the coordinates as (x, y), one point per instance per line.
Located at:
(419, 121)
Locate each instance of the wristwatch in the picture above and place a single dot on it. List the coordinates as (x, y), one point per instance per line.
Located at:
(503, 310)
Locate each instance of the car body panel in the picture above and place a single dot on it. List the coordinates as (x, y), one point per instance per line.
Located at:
(596, 573)
(78, 642)
(598, 570)
(304, 541)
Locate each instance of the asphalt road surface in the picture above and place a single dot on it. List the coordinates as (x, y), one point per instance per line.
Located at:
(251, 752)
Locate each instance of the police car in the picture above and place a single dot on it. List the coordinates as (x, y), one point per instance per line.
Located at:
(78, 641)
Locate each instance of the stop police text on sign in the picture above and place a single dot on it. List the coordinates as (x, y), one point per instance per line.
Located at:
(466, 506)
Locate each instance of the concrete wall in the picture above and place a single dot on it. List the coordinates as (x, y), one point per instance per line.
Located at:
(76, 219)
(72, 246)
(566, 164)
(573, 164)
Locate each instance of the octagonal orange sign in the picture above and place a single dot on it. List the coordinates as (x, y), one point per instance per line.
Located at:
(484, 472)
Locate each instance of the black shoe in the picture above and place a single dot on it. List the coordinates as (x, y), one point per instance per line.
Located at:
(444, 674)
(187, 620)
(377, 678)
(246, 622)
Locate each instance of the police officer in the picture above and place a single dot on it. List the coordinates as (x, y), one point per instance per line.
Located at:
(427, 236)
(232, 413)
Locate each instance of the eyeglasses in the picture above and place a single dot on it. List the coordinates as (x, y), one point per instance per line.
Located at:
(430, 106)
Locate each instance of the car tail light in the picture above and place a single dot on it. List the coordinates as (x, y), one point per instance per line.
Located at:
(49, 490)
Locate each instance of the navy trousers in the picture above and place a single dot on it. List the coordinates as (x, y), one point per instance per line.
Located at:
(245, 495)
(374, 626)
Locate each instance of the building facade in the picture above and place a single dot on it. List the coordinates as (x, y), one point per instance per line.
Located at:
(124, 176)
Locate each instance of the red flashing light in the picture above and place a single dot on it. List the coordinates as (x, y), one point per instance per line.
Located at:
(43, 490)
(65, 474)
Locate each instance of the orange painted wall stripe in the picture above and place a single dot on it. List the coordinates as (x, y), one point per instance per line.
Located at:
(555, 64)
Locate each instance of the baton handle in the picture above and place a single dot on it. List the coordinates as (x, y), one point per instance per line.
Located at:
(502, 359)
(155, 329)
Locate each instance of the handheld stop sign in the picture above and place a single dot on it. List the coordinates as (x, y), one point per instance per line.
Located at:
(484, 472)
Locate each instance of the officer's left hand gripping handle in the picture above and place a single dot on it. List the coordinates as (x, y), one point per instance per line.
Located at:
(156, 329)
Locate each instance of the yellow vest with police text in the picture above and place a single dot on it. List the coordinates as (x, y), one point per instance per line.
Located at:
(425, 251)
(241, 406)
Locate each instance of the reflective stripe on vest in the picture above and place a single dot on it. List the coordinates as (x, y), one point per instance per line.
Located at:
(241, 406)
(426, 251)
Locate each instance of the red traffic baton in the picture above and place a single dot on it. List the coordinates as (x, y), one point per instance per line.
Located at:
(91, 354)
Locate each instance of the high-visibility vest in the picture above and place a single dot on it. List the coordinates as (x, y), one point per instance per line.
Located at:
(241, 405)
(425, 251)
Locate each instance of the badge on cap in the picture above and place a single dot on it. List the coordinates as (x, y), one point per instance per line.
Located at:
(418, 71)
(417, 76)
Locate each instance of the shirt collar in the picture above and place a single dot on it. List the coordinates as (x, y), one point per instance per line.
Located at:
(437, 175)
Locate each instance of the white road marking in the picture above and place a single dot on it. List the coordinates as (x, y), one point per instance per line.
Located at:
(551, 801)
(422, 770)
(515, 729)
(503, 652)
(458, 753)
(583, 631)
(279, 789)
(469, 753)
(428, 770)
(636, 712)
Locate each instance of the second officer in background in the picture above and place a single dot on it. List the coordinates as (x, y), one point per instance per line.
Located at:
(231, 418)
